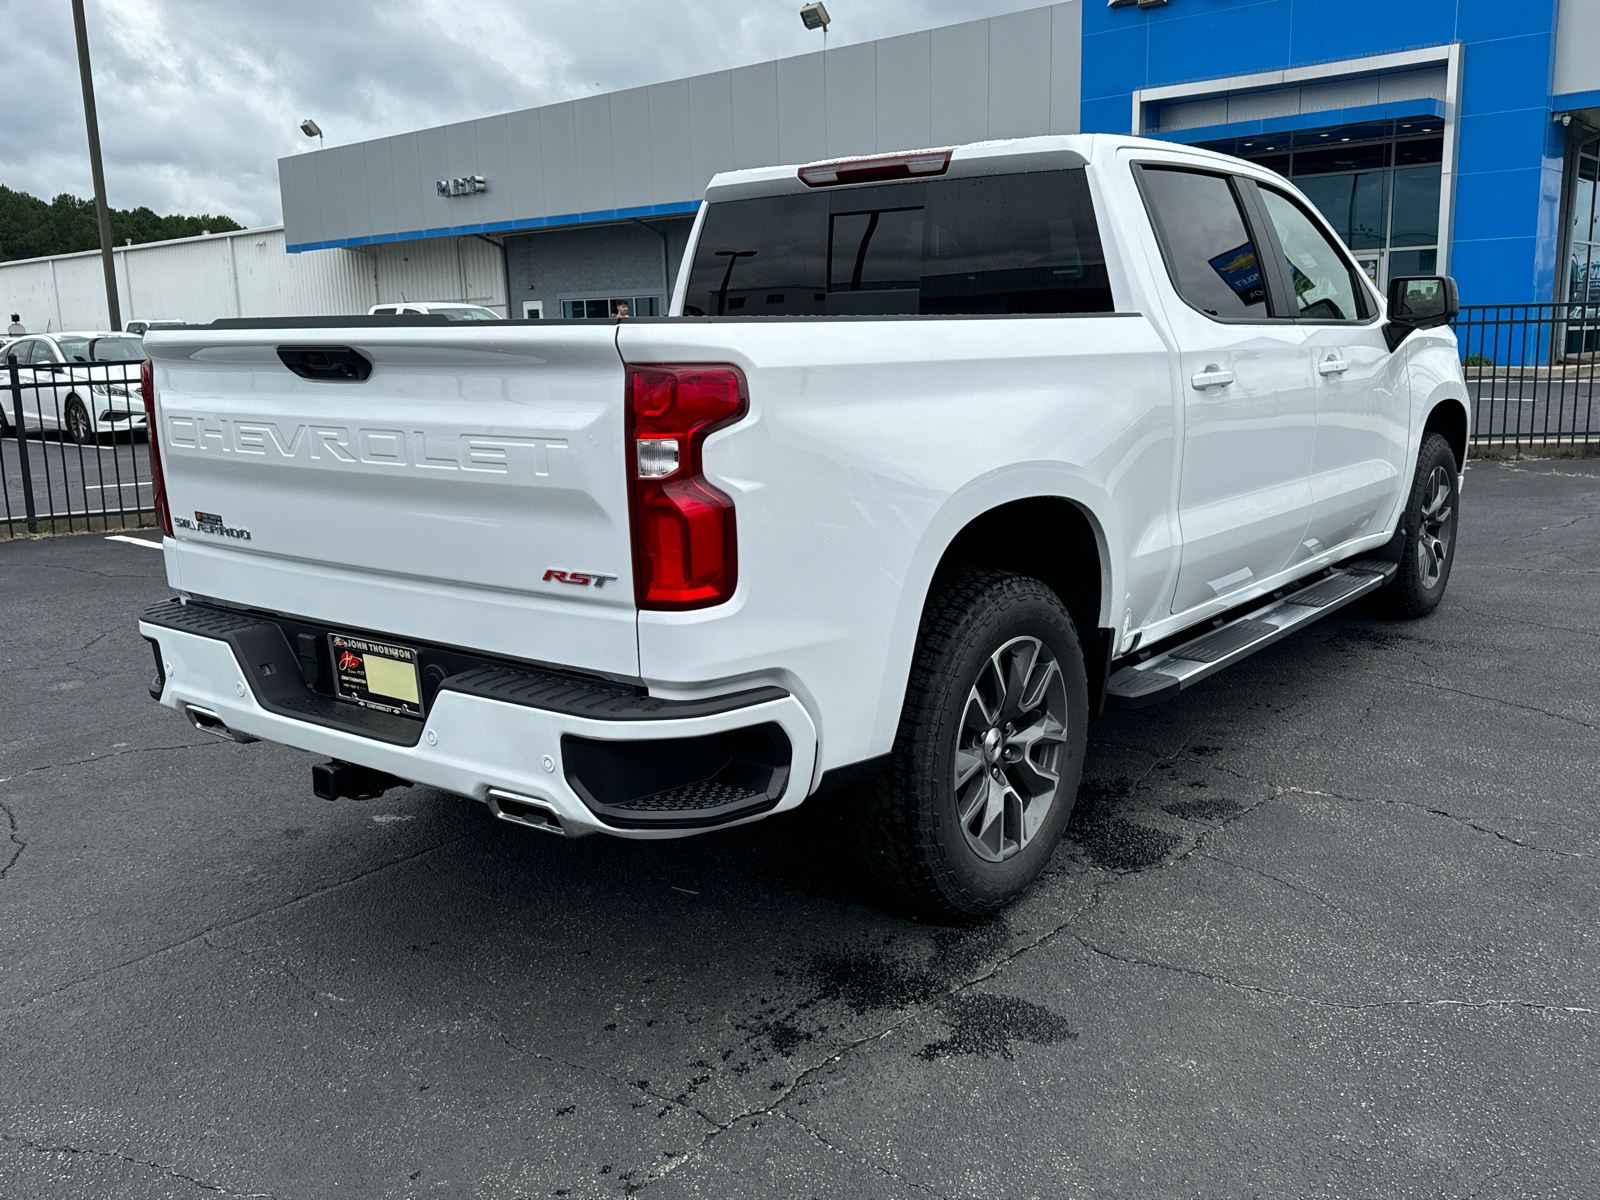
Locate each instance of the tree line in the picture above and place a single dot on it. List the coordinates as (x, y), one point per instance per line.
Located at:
(30, 228)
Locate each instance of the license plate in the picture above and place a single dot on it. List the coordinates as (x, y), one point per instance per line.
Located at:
(376, 674)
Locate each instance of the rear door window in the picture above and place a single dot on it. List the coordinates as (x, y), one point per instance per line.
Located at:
(948, 247)
(1207, 246)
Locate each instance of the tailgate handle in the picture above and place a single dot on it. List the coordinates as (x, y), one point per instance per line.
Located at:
(329, 364)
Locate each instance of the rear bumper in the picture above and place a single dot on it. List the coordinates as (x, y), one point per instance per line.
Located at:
(472, 742)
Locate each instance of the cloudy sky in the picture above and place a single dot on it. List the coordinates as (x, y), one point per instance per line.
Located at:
(198, 99)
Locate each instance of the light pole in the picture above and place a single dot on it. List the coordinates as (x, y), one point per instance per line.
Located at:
(311, 129)
(101, 212)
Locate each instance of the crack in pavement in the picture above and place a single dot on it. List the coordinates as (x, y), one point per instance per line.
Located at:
(171, 1172)
(313, 894)
(1458, 607)
(21, 845)
(1437, 812)
(670, 1101)
(871, 1166)
(1261, 989)
(1479, 696)
(95, 758)
(1293, 887)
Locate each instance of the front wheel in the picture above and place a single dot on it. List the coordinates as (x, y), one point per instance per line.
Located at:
(1427, 532)
(991, 742)
(80, 427)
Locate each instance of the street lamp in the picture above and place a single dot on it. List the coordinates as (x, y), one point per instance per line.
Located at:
(815, 16)
(311, 129)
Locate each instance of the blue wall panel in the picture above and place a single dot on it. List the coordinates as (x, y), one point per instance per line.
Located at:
(1507, 192)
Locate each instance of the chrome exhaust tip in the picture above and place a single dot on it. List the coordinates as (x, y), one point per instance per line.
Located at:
(208, 722)
(525, 811)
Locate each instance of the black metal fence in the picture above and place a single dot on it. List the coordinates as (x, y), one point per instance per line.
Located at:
(1533, 373)
(73, 451)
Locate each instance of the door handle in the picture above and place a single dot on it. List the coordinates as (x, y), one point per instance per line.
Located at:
(1332, 365)
(1212, 376)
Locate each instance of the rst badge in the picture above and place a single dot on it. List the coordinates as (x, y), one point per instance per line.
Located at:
(577, 578)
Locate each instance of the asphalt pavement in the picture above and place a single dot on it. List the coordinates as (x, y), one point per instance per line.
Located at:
(1324, 927)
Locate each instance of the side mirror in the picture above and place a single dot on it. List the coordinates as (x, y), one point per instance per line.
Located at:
(1420, 302)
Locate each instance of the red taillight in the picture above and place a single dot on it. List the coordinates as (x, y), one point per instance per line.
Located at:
(158, 481)
(876, 170)
(684, 551)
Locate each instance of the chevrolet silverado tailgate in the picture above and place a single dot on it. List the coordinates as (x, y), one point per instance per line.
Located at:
(452, 496)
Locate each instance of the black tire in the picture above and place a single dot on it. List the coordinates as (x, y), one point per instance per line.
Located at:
(1427, 535)
(977, 628)
(76, 423)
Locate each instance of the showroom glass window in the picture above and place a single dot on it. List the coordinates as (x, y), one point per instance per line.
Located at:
(1377, 184)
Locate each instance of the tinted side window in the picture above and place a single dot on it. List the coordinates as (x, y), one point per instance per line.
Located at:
(1001, 244)
(1209, 254)
(1324, 283)
(23, 351)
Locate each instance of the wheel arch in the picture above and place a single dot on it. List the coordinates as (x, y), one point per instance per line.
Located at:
(1448, 418)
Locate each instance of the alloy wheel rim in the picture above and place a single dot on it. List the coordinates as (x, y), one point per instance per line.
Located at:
(1435, 528)
(1008, 757)
(77, 423)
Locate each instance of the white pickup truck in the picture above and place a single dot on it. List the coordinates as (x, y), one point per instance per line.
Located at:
(936, 455)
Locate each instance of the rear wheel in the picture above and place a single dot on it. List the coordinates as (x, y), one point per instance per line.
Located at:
(79, 427)
(1428, 532)
(990, 747)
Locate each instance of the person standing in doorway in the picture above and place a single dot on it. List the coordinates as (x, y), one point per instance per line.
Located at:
(621, 309)
(16, 329)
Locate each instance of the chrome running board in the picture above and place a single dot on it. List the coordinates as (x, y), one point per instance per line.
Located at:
(1164, 675)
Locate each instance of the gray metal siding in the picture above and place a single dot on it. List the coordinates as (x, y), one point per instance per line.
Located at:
(1577, 65)
(802, 134)
(670, 173)
(710, 125)
(851, 99)
(597, 184)
(560, 151)
(960, 106)
(905, 92)
(1008, 76)
(630, 148)
(755, 115)
(1066, 67)
(526, 173)
(1019, 74)
(494, 163)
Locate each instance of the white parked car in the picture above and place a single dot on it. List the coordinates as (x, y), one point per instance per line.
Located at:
(450, 311)
(937, 454)
(64, 387)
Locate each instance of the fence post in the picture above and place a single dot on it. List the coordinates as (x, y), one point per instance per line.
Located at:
(22, 444)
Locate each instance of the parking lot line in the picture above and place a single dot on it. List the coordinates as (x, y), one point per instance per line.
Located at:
(133, 541)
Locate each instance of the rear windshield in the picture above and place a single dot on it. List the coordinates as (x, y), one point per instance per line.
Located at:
(945, 247)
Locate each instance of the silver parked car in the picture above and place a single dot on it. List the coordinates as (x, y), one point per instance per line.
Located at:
(61, 389)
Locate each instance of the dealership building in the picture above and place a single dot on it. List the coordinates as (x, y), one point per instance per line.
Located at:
(1457, 136)
(1452, 136)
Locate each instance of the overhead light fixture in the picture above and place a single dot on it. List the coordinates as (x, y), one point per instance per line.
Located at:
(815, 16)
(311, 129)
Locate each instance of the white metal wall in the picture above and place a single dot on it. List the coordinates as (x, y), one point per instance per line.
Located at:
(247, 274)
